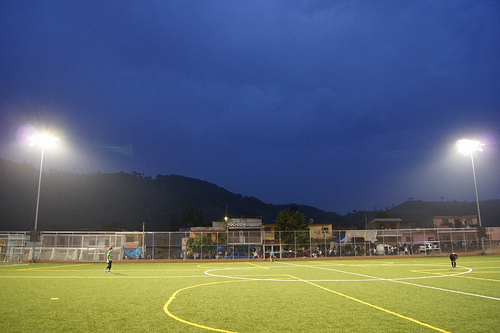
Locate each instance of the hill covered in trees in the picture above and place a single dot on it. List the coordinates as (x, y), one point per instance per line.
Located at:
(123, 201)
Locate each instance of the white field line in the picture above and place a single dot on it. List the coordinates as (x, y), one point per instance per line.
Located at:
(404, 282)
(366, 278)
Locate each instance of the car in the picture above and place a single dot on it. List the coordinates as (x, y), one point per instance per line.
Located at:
(238, 255)
(383, 249)
(428, 247)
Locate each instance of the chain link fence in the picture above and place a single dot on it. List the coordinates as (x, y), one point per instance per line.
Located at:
(242, 244)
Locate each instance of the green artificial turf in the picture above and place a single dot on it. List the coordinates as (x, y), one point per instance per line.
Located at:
(368, 295)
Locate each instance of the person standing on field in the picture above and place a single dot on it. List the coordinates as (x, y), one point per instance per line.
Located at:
(453, 258)
(109, 260)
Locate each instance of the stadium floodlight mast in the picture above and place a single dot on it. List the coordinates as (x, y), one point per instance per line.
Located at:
(468, 147)
(43, 141)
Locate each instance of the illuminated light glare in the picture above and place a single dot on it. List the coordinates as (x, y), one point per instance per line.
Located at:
(467, 147)
(43, 140)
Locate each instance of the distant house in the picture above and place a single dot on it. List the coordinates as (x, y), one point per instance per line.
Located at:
(243, 235)
(271, 240)
(316, 231)
(317, 235)
(269, 233)
(210, 232)
(455, 221)
(244, 231)
(320, 231)
(385, 223)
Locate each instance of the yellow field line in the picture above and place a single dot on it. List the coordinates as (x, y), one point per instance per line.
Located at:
(428, 271)
(260, 266)
(373, 306)
(476, 278)
(170, 314)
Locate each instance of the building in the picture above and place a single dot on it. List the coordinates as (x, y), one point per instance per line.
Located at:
(455, 221)
(244, 234)
(385, 223)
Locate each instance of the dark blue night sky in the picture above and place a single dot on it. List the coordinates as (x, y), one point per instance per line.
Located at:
(341, 105)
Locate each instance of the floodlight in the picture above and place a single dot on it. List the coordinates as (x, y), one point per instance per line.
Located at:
(43, 141)
(467, 147)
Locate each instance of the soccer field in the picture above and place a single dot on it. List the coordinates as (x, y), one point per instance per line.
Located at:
(367, 295)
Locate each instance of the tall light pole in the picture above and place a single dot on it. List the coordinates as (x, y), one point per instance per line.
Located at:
(467, 147)
(43, 141)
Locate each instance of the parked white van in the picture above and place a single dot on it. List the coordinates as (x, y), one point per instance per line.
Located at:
(383, 249)
(429, 247)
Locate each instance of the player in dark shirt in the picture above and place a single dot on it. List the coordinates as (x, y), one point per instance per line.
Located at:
(453, 258)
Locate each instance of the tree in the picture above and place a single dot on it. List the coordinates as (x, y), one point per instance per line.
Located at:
(292, 220)
(198, 243)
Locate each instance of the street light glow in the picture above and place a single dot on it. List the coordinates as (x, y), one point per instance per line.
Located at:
(43, 140)
(467, 147)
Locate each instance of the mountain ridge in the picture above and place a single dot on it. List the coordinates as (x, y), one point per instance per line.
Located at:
(124, 201)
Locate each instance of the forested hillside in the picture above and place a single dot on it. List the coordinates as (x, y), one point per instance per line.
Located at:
(123, 201)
